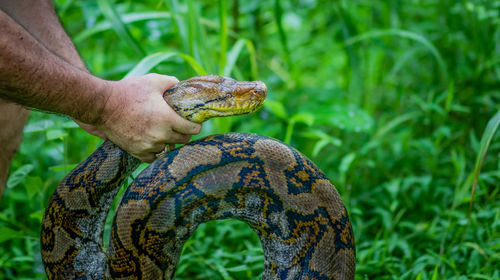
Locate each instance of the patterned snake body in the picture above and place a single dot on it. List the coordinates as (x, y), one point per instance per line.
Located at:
(295, 210)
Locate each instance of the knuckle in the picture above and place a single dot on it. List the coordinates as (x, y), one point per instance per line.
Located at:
(186, 138)
(197, 129)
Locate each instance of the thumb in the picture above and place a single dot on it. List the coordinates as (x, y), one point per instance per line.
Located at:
(162, 82)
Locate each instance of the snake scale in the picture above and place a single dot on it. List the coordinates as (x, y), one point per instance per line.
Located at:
(297, 213)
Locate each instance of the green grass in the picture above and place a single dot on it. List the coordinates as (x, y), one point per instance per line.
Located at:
(396, 101)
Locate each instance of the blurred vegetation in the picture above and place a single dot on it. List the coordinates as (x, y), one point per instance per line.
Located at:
(397, 101)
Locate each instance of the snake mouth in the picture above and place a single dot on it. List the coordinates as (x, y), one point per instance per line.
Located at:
(247, 99)
(224, 110)
(237, 107)
(245, 108)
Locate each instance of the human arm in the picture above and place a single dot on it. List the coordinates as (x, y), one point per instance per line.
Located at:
(32, 76)
(131, 112)
(38, 17)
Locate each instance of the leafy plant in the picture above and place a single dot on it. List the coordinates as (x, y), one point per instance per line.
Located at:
(396, 101)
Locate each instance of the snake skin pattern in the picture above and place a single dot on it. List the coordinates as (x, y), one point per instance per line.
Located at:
(297, 213)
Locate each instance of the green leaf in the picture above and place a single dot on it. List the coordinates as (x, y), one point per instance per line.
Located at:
(233, 56)
(127, 18)
(148, 63)
(56, 134)
(121, 29)
(276, 108)
(348, 117)
(278, 17)
(319, 146)
(196, 36)
(38, 126)
(7, 234)
(223, 272)
(222, 35)
(324, 140)
(69, 124)
(38, 215)
(488, 134)
(19, 175)
(33, 185)
(57, 168)
(395, 123)
(346, 163)
(151, 61)
(305, 118)
(192, 62)
(407, 35)
(435, 273)
(235, 52)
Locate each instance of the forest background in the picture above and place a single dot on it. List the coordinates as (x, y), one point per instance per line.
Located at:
(396, 101)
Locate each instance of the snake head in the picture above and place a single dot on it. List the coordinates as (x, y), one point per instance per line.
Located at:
(204, 97)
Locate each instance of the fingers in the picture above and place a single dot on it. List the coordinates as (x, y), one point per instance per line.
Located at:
(177, 138)
(140, 121)
(184, 126)
(148, 157)
(152, 154)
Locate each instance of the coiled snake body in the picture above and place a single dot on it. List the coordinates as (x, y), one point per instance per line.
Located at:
(295, 210)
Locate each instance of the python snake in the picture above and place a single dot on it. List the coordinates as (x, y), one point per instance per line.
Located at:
(297, 213)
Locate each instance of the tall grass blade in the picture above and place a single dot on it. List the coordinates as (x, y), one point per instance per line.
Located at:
(192, 43)
(488, 134)
(150, 61)
(196, 37)
(435, 273)
(178, 23)
(403, 34)
(394, 123)
(121, 29)
(233, 55)
(106, 25)
(278, 15)
(192, 62)
(126, 19)
(305, 118)
(253, 60)
(222, 35)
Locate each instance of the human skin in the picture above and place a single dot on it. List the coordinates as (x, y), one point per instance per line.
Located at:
(12, 120)
(130, 112)
(49, 32)
(40, 68)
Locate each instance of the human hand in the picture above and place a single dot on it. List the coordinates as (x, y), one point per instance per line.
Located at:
(139, 120)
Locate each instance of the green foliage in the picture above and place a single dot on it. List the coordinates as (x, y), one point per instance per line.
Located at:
(391, 99)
